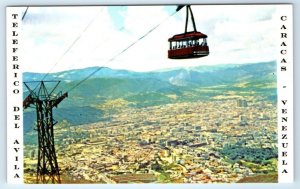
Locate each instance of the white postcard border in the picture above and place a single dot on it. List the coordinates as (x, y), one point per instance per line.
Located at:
(285, 95)
(14, 96)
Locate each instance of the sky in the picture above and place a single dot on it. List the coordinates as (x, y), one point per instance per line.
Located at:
(62, 38)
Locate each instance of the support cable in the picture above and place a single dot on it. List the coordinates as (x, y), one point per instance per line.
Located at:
(23, 17)
(72, 44)
(120, 53)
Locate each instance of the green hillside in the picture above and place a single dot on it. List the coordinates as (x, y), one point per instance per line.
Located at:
(85, 102)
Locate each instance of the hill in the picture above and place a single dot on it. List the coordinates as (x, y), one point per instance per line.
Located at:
(141, 89)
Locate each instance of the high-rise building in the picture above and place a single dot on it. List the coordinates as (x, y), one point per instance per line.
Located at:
(242, 103)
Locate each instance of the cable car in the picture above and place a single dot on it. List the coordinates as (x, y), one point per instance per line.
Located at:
(192, 44)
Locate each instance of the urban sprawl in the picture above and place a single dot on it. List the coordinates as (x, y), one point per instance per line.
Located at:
(173, 143)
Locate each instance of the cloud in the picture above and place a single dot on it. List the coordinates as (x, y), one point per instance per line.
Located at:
(236, 34)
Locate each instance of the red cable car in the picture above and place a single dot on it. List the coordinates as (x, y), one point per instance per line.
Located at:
(187, 45)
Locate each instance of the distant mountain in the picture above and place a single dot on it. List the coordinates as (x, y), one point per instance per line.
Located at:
(180, 76)
(140, 89)
(78, 74)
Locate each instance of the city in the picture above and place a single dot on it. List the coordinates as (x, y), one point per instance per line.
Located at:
(183, 142)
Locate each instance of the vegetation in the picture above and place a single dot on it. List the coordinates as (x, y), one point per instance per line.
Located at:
(110, 90)
(267, 178)
(236, 153)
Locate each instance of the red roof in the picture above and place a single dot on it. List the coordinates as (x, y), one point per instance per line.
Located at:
(188, 35)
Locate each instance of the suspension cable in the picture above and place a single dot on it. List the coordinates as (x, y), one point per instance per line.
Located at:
(23, 17)
(123, 51)
(72, 44)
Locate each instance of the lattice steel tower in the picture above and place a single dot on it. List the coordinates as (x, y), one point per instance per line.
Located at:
(44, 100)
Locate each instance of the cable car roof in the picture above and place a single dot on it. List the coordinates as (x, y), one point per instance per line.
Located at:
(193, 35)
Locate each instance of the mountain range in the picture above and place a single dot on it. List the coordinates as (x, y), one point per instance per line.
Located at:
(203, 75)
(141, 89)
